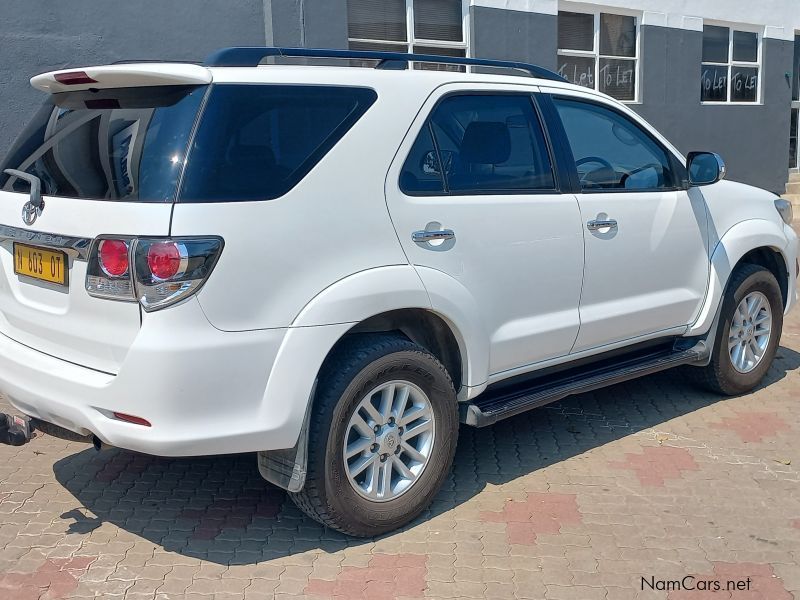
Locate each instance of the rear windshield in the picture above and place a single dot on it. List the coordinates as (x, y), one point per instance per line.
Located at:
(256, 142)
(124, 144)
(253, 142)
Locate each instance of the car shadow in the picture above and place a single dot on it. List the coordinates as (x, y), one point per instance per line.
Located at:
(219, 509)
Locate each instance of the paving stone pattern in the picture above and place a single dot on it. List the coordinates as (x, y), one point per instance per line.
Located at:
(643, 485)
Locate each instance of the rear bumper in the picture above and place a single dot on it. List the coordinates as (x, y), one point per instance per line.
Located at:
(204, 391)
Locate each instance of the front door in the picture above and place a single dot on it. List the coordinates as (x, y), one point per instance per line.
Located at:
(474, 199)
(646, 245)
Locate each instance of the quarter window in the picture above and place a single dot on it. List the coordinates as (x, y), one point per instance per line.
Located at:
(477, 145)
(420, 26)
(731, 66)
(611, 151)
(599, 51)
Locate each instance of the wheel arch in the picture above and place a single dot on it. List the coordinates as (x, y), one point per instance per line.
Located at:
(755, 241)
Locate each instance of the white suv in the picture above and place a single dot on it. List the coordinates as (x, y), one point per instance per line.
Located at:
(333, 266)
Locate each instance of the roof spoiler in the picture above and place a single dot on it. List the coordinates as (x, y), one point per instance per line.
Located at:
(121, 76)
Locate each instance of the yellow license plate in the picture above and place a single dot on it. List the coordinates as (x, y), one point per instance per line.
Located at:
(39, 263)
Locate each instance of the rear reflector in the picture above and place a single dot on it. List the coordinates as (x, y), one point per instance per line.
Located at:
(73, 78)
(132, 419)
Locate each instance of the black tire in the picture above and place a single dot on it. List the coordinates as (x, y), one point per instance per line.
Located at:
(720, 376)
(363, 362)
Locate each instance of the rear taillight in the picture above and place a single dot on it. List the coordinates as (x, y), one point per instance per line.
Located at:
(157, 272)
(108, 274)
(113, 257)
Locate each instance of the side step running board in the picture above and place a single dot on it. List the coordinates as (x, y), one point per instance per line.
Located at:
(495, 405)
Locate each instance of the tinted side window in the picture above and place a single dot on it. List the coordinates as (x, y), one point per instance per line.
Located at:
(484, 143)
(611, 151)
(421, 172)
(256, 142)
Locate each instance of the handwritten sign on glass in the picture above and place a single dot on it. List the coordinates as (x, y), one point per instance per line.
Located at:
(744, 84)
(617, 78)
(577, 69)
(714, 83)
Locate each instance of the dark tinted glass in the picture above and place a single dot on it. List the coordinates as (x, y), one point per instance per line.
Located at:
(575, 31)
(716, 43)
(744, 84)
(618, 78)
(577, 69)
(793, 139)
(438, 20)
(745, 46)
(611, 151)
(491, 144)
(422, 172)
(796, 70)
(617, 35)
(256, 142)
(714, 83)
(377, 19)
(123, 144)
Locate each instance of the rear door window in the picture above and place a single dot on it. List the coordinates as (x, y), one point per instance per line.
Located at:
(256, 142)
(125, 144)
(480, 144)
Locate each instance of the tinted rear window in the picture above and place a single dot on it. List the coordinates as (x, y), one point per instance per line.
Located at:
(256, 142)
(126, 144)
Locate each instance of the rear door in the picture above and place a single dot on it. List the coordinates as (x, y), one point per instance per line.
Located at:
(108, 162)
(477, 169)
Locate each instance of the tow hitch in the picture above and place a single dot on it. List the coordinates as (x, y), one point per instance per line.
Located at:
(14, 430)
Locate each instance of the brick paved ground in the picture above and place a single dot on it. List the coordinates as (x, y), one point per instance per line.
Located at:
(579, 500)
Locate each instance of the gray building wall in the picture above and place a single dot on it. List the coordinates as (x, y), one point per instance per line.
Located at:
(42, 35)
(753, 140)
(513, 35)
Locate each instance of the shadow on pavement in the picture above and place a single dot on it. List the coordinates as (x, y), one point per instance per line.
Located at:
(219, 509)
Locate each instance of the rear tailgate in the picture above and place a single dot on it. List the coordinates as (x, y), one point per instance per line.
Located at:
(109, 160)
(64, 321)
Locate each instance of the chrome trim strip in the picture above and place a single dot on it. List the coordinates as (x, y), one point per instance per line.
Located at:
(77, 248)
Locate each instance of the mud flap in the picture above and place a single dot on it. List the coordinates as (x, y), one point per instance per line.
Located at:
(287, 468)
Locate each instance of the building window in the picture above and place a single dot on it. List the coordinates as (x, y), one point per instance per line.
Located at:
(420, 26)
(600, 51)
(731, 65)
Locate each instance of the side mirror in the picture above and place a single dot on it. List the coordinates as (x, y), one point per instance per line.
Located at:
(705, 168)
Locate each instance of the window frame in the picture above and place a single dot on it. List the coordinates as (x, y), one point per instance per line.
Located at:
(561, 182)
(594, 53)
(759, 65)
(412, 40)
(679, 174)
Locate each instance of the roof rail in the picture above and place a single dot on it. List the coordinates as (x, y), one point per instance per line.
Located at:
(252, 56)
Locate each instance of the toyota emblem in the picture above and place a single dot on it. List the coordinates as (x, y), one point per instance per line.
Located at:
(30, 213)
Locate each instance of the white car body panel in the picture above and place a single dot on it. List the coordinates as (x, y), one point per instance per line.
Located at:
(67, 322)
(649, 274)
(502, 253)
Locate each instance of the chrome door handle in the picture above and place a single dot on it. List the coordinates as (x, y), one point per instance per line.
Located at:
(431, 236)
(596, 224)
